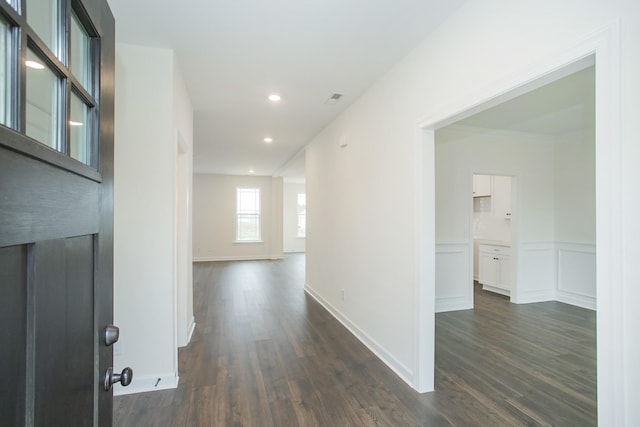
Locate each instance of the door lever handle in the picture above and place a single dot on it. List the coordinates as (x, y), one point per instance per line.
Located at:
(124, 378)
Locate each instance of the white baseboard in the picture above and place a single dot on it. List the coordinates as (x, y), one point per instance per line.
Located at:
(402, 371)
(534, 296)
(576, 299)
(495, 290)
(238, 258)
(146, 384)
(453, 304)
(192, 327)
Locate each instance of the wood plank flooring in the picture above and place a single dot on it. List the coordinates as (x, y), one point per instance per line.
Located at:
(266, 354)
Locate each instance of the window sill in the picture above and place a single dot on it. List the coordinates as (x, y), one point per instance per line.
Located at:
(241, 242)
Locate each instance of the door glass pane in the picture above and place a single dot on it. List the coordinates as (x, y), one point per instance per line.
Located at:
(43, 100)
(15, 4)
(80, 58)
(44, 18)
(79, 126)
(5, 73)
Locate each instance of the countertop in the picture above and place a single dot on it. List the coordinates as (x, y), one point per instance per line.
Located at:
(492, 242)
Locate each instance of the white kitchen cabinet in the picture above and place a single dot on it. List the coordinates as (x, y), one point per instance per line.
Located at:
(501, 196)
(481, 185)
(494, 270)
(487, 268)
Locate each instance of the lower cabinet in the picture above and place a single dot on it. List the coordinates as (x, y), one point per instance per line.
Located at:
(494, 269)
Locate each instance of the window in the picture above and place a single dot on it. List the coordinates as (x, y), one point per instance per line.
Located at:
(44, 18)
(248, 213)
(5, 72)
(302, 215)
(80, 65)
(52, 96)
(79, 136)
(43, 102)
(15, 4)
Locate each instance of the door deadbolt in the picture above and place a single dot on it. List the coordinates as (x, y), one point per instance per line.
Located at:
(111, 334)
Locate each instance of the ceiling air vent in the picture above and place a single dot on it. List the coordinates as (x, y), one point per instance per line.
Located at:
(333, 99)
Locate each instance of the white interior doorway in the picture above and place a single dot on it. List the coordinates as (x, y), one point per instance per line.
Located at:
(545, 138)
(491, 232)
(601, 49)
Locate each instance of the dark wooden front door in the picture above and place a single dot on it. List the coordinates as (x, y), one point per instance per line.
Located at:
(56, 211)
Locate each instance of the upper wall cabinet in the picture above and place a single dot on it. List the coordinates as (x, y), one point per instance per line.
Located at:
(501, 196)
(498, 188)
(481, 185)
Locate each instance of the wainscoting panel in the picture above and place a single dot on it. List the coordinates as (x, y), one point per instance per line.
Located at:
(454, 284)
(576, 283)
(536, 278)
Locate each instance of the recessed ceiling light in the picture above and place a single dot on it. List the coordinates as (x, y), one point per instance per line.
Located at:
(274, 97)
(267, 140)
(251, 171)
(33, 64)
(72, 123)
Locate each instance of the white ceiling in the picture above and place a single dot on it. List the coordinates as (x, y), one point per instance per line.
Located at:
(565, 105)
(232, 54)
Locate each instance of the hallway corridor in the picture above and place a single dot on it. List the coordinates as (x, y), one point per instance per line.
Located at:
(266, 354)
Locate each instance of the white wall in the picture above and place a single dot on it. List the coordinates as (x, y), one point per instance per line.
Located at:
(575, 183)
(462, 151)
(149, 107)
(214, 218)
(183, 144)
(291, 241)
(363, 210)
(553, 213)
(575, 218)
(528, 158)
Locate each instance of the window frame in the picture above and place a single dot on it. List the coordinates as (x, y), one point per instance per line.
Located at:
(257, 214)
(9, 86)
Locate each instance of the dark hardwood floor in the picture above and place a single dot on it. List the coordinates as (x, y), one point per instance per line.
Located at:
(266, 354)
